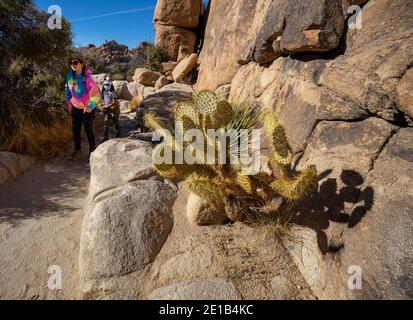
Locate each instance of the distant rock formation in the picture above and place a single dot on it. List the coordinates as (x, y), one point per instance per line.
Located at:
(111, 53)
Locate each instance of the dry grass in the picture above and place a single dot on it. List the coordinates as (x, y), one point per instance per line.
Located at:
(278, 222)
(40, 140)
(134, 104)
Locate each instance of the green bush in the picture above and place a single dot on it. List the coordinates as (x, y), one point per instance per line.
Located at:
(33, 67)
(140, 55)
(155, 56)
(118, 77)
(130, 75)
(93, 60)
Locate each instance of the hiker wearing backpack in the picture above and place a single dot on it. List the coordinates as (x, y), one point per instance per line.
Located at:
(82, 98)
(110, 109)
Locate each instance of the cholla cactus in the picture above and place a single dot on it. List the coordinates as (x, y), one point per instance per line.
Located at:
(244, 198)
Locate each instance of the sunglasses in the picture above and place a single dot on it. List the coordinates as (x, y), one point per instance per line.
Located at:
(74, 63)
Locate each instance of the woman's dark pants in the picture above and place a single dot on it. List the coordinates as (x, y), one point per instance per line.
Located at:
(79, 118)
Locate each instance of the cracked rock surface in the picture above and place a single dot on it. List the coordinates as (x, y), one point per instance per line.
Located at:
(348, 111)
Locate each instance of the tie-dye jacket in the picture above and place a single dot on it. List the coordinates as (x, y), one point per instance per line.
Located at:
(81, 93)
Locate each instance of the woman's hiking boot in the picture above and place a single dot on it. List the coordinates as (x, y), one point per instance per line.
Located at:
(75, 156)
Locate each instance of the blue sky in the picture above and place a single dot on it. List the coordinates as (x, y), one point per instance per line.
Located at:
(126, 28)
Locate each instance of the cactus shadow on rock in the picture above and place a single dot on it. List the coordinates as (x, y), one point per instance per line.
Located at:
(331, 204)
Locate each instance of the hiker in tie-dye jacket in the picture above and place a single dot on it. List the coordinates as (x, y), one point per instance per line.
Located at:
(82, 98)
(81, 91)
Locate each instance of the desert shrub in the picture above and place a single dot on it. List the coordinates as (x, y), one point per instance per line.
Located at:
(155, 56)
(93, 60)
(117, 68)
(134, 103)
(118, 77)
(33, 67)
(118, 71)
(44, 141)
(129, 77)
(248, 198)
(139, 56)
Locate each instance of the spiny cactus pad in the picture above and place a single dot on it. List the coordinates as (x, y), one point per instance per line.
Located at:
(244, 182)
(221, 117)
(297, 187)
(207, 188)
(187, 110)
(206, 102)
(282, 154)
(152, 122)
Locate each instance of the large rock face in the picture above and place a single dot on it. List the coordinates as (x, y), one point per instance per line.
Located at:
(385, 238)
(163, 101)
(126, 229)
(349, 113)
(262, 30)
(171, 38)
(298, 26)
(225, 43)
(405, 93)
(179, 13)
(360, 219)
(175, 24)
(129, 216)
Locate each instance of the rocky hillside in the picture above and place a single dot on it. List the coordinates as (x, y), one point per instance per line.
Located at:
(341, 85)
(112, 57)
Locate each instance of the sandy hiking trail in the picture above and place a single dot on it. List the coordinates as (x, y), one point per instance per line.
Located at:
(41, 215)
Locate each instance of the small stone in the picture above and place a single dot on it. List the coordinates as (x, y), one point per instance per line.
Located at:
(162, 82)
(146, 77)
(200, 213)
(184, 67)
